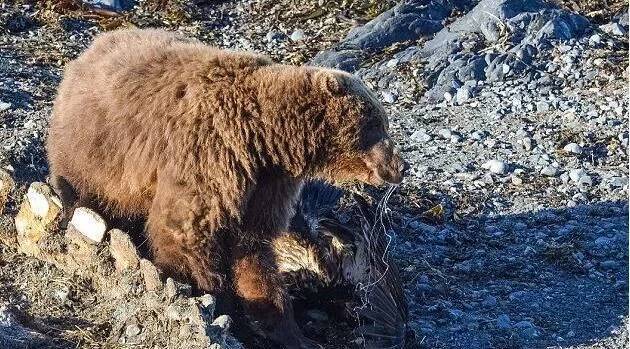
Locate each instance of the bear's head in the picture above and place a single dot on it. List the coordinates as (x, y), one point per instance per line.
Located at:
(360, 147)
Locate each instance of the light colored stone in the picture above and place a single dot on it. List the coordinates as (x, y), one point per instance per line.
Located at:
(123, 250)
(150, 275)
(41, 199)
(298, 35)
(4, 106)
(31, 227)
(549, 171)
(495, 166)
(573, 148)
(576, 174)
(89, 223)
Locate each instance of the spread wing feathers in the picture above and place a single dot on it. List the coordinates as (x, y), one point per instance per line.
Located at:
(356, 254)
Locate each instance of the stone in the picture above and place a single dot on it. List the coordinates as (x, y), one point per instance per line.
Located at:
(7, 185)
(388, 97)
(503, 321)
(31, 225)
(613, 28)
(298, 35)
(463, 94)
(573, 148)
(223, 322)
(89, 223)
(526, 329)
(274, 36)
(123, 250)
(40, 198)
(549, 171)
(150, 275)
(420, 136)
(576, 174)
(496, 166)
(445, 133)
(489, 301)
(4, 106)
(619, 182)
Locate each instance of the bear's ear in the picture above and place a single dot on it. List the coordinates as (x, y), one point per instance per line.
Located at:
(328, 82)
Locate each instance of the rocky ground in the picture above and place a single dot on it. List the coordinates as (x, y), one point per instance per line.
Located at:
(511, 230)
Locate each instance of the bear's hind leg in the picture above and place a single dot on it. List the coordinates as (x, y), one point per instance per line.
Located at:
(264, 298)
(180, 245)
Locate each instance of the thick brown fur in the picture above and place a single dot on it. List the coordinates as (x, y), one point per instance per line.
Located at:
(210, 146)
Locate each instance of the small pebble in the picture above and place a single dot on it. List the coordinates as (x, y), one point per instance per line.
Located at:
(4, 106)
(573, 148)
(495, 166)
(298, 35)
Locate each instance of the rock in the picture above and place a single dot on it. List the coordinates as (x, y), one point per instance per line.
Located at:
(7, 185)
(33, 227)
(388, 97)
(619, 182)
(503, 322)
(463, 94)
(526, 329)
(123, 250)
(448, 96)
(489, 301)
(576, 174)
(132, 330)
(174, 289)
(445, 133)
(41, 198)
(4, 106)
(613, 28)
(595, 39)
(573, 148)
(516, 180)
(478, 135)
(150, 275)
(298, 35)
(496, 166)
(420, 136)
(274, 36)
(528, 144)
(89, 223)
(223, 322)
(542, 106)
(549, 171)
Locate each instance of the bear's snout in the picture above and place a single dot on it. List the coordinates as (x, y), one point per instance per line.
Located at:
(386, 164)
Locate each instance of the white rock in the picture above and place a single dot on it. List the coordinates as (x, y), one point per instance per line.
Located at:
(463, 94)
(495, 166)
(38, 201)
(613, 28)
(549, 171)
(445, 133)
(298, 35)
(528, 144)
(576, 174)
(4, 106)
(420, 136)
(448, 96)
(573, 148)
(89, 223)
(388, 97)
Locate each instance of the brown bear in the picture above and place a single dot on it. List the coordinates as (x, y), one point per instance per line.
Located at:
(212, 148)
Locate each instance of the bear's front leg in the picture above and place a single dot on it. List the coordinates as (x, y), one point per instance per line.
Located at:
(264, 298)
(182, 244)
